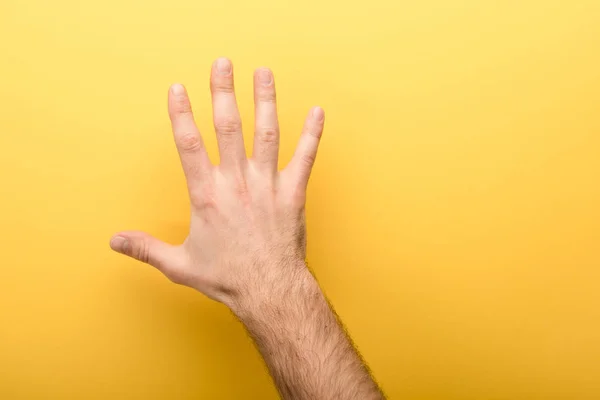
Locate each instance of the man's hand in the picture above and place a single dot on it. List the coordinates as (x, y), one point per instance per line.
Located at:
(246, 246)
(247, 218)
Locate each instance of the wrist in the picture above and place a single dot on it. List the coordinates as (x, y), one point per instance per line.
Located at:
(274, 292)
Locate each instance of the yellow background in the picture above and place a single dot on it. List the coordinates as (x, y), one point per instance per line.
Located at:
(454, 211)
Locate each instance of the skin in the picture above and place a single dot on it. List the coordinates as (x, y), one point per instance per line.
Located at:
(246, 246)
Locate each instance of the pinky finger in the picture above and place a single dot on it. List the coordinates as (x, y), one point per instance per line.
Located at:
(306, 151)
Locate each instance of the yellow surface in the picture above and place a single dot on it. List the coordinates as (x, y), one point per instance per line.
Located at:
(454, 211)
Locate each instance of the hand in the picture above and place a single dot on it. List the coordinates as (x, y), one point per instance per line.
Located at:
(247, 218)
(246, 246)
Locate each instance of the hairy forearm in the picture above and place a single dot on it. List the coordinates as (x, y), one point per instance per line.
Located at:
(302, 342)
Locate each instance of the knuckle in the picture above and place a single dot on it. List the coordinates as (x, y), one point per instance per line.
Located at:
(223, 85)
(176, 273)
(228, 126)
(267, 96)
(203, 203)
(203, 197)
(307, 159)
(142, 251)
(189, 142)
(269, 135)
(183, 106)
(176, 277)
(316, 133)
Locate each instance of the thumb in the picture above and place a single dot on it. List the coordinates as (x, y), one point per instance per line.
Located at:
(147, 249)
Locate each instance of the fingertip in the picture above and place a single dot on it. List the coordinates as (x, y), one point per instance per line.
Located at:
(119, 244)
(223, 66)
(221, 76)
(318, 114)
(177, 89)
(264, 76)
(179, 102)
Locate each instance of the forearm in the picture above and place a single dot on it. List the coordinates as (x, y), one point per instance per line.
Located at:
(302, 342)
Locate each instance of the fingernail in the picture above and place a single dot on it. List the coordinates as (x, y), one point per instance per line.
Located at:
(120, 244)
(265, 77)
(177, 89)
(318, 113)
(223, 66)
